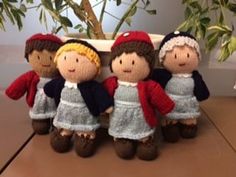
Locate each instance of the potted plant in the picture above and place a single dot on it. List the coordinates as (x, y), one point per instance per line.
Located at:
(212, 21)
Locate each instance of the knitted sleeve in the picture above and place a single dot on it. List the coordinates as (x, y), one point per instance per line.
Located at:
(159, 98)
(20, 86)
(102, 98)
(49, 88)
(161, 76)
(200, 89)
(110, 84)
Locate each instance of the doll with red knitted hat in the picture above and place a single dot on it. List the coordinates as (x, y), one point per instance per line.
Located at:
(40, 50)
(133, 119)
(180, 55)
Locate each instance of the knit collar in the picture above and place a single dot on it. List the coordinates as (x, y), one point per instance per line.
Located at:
(128, 84)
(71, 85)
(185, 75)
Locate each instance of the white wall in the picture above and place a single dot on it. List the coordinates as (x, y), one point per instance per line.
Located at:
(169, 15)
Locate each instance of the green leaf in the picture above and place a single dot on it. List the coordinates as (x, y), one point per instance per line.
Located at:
(65, 21)
(58, 4)
(17, 18)
(187, 12)
(41, 16)
(196, 5)
(232, 45)
(30, 1)
(232, 7)
(118, 2)
(151, 12)
(47, 4)
(23, 8)
(78, 26)
(128, 21)
(205, 21)
(12, 1)
(224, 54)
(58, 29)
(212, 40)
(133, 11)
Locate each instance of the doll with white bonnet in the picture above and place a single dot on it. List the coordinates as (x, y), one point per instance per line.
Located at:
(180, 55)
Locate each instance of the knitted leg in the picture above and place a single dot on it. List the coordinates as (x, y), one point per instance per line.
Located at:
(147, 149)
(188, 128)
(85, 144)
(41, 127)
(60, 140)
(170, 130)
(124, 148)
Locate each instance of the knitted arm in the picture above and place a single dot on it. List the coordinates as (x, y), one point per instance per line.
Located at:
(200, 89)
(49, 88)
(19, 87)
(102, 98)
(160, 99)
(161, 76)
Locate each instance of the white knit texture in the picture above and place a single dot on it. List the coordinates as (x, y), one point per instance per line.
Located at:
(178, 41)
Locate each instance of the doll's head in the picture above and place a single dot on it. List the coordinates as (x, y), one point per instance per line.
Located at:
(132, 56)
(179, 53)
(40, 50)
(78, 61)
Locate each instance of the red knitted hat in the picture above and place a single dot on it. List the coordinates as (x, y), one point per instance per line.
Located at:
(46, 37)
(132, 36)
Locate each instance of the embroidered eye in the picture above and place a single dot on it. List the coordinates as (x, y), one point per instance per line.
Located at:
(64, 57)
(175, 56)
(120, 61)
(77, 60)
(133, 62)
(38, 57)
(50, 58)
(188, 55)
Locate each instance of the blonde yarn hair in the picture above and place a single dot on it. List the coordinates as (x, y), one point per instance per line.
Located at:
(82, 50)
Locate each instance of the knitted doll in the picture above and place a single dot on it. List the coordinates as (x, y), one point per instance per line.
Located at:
(133, 119)
(40, 50)
(80, 99)
(180, 54)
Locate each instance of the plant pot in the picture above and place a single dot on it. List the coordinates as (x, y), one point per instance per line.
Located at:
(104, 48)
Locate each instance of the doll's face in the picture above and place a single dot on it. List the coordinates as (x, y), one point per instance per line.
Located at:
(42, 63)
(76, 68)
(182, 59)
(130, 67)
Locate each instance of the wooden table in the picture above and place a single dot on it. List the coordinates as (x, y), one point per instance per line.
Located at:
(15, 128)
(210, 154)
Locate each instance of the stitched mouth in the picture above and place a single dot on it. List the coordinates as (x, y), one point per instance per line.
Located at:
(127, 71)
(71, 70)
(43, 65)
(182, 64)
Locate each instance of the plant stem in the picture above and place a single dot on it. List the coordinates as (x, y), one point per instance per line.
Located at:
(91, 17)
(102, 11)
(123, 18)
(112, 15)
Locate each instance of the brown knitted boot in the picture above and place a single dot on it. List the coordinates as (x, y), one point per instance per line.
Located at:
(41, 127)
(147, 150)
(124, 148)
(84, 146)
(188, 131)
(60, 143)
(171, 133)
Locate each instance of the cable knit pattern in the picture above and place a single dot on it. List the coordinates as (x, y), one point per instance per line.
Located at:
(44, 106)
(72, 112)
(180, 89)
(151, 96)
(127, 119)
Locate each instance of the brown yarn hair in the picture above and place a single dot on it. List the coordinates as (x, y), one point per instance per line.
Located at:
(40, 45)
(142, 49)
